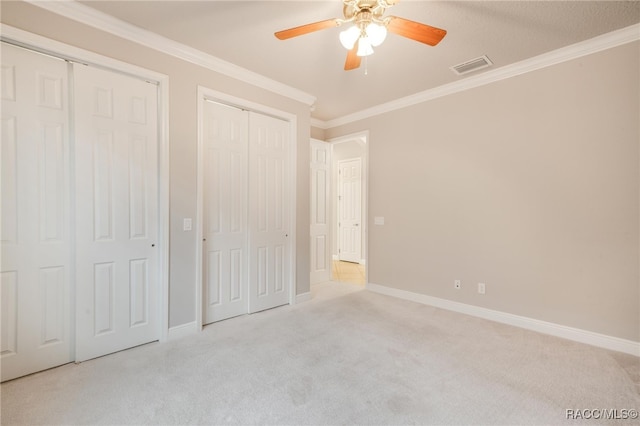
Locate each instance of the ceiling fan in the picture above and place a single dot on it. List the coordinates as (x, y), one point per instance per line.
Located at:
(369, 29)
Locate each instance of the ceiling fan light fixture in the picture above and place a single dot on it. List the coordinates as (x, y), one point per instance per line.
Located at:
(364, 47)
(349, 37)
(368, 28)
(376, 33)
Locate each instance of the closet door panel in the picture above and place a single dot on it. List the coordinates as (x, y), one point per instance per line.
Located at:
(116, 158)
(225, 256)
(269, 189)
(36, 247)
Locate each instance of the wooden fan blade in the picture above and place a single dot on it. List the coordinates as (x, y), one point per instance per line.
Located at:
(353, 60)
(416, 31)
(306, 29)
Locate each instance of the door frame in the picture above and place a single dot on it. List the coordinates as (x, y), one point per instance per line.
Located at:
(362, 136)
(207, 94)
(68, 52)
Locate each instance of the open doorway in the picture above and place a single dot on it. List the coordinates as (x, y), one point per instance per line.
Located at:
(349, 171)
(338, 220)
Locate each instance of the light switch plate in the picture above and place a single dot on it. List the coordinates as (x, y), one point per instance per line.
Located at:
(378, 220)
(186, 224)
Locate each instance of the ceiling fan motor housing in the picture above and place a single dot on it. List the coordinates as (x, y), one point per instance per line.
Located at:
(364, 10)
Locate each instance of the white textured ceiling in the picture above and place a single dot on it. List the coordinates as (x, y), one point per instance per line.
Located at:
(241, 32)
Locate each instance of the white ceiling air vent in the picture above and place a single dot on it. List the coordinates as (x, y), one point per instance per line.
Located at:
(472, 65)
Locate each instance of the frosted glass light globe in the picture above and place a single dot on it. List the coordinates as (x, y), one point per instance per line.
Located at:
(349, 37)
(376, 33)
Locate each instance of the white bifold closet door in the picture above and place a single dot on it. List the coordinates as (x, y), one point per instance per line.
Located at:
(116, 218)
(246, 247)
(225, 259)
(36, 242)
(269, 207)
(79, 212)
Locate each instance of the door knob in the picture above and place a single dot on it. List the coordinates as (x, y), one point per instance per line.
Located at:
(356, 224)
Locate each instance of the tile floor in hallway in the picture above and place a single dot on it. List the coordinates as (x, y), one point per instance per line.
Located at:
(349, 272)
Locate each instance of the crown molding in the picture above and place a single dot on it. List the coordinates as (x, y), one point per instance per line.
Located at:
(101, 21)
(318, 123)
(577, 50)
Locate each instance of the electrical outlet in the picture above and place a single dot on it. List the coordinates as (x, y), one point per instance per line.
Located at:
(457, 284)
(481, 288)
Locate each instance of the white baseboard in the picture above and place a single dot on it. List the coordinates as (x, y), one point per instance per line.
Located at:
(570, 333)
(182, 330)
(335, 257)
(303, 297)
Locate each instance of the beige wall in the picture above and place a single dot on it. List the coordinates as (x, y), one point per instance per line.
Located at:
(317, 133)
(530, 185)
(184, 79)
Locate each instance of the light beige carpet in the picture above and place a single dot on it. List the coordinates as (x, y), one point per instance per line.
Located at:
(348, 356)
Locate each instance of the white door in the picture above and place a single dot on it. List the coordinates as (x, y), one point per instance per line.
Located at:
(320, 211)
(269, 204)
(225, 267)
(350, 210)
(36, 247)
(116, 167)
